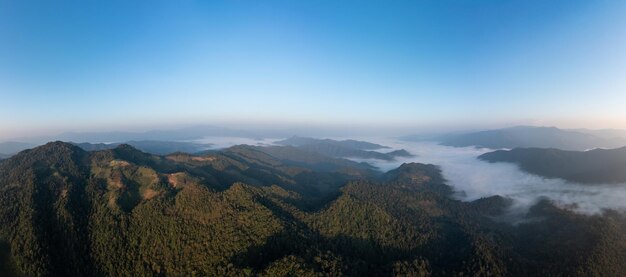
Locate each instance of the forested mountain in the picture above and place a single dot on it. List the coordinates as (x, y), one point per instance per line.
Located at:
(343, 148)
(274, 211)
(598, 166)
(150, 146)
(537, 137)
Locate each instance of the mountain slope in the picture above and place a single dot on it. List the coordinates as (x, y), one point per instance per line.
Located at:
(538, 137)
(343, 148)
(599, 166)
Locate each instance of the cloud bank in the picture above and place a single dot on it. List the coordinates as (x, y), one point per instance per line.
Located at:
(473, 179)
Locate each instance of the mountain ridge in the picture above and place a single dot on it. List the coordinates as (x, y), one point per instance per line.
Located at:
(598, 166)
(344, 148)
(530, 136)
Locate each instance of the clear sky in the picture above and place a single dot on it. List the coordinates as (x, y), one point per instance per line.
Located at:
(89, 65)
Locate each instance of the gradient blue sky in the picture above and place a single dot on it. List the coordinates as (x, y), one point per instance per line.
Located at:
(90, 65)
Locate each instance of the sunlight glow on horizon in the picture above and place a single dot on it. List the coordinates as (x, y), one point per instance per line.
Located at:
(72, 66)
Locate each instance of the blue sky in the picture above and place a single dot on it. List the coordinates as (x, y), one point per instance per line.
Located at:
(91, 65)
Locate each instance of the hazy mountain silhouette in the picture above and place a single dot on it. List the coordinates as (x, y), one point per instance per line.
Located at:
(150, 146)
(343, 148)
(526, 136)
(8, 148)
(599, 166)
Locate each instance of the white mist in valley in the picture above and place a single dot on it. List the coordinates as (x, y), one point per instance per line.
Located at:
(472, 179)
(225, 142)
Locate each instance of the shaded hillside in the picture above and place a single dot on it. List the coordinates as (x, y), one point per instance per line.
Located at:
(598, 166)
(288, 167)
(343, 148)
(525, 136)
(239, 212)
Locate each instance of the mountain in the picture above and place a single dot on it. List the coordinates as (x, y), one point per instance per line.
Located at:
(605, 133)
(352, 144)
(598, 166)
(177, 134)
(274, 211)
(400, 153)
(343, 148)
(8, 148)
(527, 137)
(150, 146)
(188, 133)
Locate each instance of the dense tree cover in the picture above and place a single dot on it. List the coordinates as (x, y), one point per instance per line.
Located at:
(599, 166)
(255, 211)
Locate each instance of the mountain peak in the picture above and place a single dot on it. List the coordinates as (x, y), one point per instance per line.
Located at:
(57, 154)
(413, 172)
(128, 152)
(126, 147)
(56, 147)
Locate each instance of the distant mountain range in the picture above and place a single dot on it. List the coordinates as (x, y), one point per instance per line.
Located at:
(606, 133)
(539, 137)
(150, 146)
(353, 144)
(8, 148)
(139, 139)
(188, 133)
(599, 166)
(343, 148)
(178, 134)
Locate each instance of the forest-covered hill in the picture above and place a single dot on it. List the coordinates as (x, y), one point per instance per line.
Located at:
(275, 211)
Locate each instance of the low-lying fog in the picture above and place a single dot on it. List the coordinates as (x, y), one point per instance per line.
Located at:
(473, 179)
(225, 142)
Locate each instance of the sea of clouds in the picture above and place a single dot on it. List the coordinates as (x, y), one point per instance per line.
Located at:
(225, 142)
(472, 179)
